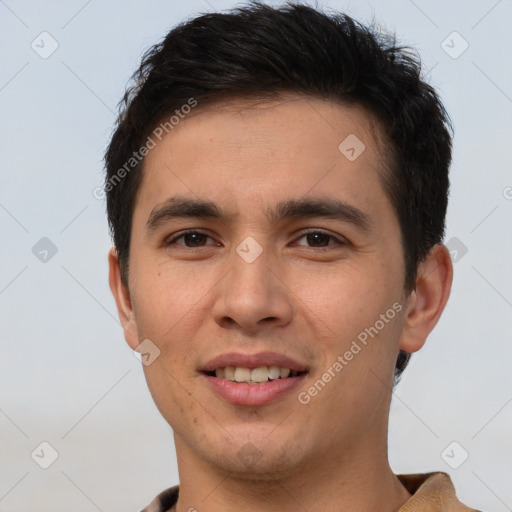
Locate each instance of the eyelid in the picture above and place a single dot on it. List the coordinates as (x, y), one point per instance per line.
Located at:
(338, 238)
(176, 236)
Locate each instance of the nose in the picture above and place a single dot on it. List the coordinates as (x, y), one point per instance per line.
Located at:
(252, 297)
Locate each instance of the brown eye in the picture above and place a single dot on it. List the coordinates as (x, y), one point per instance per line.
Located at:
(318, 239)
(192, 239)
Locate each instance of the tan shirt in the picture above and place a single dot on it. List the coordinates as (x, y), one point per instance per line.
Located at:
(431, 492)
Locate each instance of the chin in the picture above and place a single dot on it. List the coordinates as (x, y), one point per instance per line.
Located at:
(258, 461)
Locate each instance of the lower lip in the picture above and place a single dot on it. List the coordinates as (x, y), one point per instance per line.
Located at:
(253, 394)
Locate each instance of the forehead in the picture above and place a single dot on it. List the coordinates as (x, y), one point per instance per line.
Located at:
(248, 152)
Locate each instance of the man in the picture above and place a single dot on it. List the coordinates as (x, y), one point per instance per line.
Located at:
(276, 188)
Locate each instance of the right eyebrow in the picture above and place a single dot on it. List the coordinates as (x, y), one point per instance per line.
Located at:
(179, 207)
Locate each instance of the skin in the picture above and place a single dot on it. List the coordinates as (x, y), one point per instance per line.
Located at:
(307, 298)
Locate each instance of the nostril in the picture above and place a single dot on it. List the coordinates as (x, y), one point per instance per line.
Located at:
(269, 319)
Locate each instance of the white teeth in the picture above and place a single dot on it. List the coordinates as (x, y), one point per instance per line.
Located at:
(259, 374)
(285, 372)
(242, 374)
(229, 373)
(255, 375)
(274, 372)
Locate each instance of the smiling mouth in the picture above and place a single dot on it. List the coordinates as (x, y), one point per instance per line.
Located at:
(260, 375)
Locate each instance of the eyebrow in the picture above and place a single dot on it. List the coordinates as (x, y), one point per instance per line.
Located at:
(321, 208)
(179, 207)
(325, 207)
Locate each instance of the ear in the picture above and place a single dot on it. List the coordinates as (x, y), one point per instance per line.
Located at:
(123, 302)
(427, 301)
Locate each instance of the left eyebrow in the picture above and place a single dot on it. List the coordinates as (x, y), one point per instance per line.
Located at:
(326, 207)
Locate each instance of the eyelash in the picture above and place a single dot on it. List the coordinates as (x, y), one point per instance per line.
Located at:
(340, 240)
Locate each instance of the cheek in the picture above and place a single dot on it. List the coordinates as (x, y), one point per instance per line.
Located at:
(348, 306)
(346, 300)
(170, 394)
(166, 298)
(169, 309)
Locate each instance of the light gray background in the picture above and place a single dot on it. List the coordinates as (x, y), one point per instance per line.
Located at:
(66, 375)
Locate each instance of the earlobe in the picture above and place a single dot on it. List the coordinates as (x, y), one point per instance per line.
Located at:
(428, 300)
(122, 297)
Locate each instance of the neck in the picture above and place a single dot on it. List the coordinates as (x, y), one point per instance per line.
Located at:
(357, 480)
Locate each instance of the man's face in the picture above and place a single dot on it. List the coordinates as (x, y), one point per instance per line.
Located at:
(295, 262)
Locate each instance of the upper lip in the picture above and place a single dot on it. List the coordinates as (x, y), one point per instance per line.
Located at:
(253, 361)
